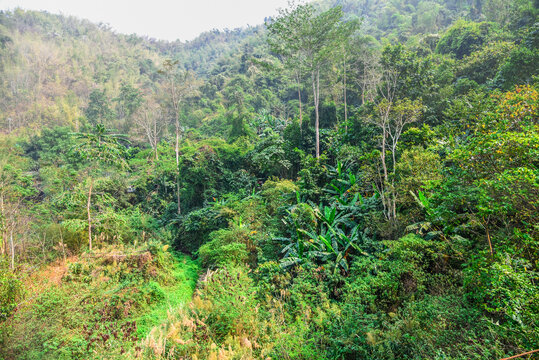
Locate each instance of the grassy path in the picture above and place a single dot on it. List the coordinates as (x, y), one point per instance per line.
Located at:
(185, 273)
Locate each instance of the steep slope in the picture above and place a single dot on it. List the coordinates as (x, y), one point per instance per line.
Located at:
(98, 304)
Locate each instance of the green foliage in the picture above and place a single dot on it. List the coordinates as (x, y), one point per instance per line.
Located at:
(103, 304)
(418, 169)
(98, 110)
(11, 292)
(222, 319)
(128, 102)
(278, 194)
(226, 247)
(269, 155)
(397, 240)
(494, 173)
(482, 65)
(521, 64)
(102, 146)
(196, 227)
(53, 147)
(505, 290)
(463, 38)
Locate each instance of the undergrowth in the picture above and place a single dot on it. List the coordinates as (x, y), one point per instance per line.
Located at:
(102, 305)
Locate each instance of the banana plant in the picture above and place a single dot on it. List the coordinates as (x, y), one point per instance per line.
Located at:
(333, 245)
(340, 229)
(331, 241)
(342, 183)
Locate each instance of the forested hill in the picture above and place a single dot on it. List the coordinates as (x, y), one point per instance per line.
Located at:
(352, 179)
(60, 60)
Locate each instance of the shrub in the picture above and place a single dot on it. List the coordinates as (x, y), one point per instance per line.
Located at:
(196, 226)
(11, 291)
(227, 246)
(463, 38)
(222, 320)
(278, 193)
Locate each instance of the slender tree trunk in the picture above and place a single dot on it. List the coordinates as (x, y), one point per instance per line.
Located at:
(345, 100)
(383, 155)
(489, 242)
(393, 192)
(178, 164)
(363, 84)
(12, 249)
(155, 139)
(88, 206)
(299, 98)
(177, 146)
(385, 196)
(316, 96)
(3, 234)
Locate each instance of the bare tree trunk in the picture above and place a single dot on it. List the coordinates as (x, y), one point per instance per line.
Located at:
(386, 196)
(177, 146)
(3, 234)
(385, 179)
(383, 155)
(12, 249)
(178, 164)
(393, 192)
(488, 238)
(299, 98)
(345, 100)
(316, 97)
(155, 139)
(89, 214)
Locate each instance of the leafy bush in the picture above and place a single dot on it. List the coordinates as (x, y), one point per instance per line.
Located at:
(222, 319)
(196, 226)
(278, 193)
(11, 291)
(227, 246)
(505, 289)
(463, 38)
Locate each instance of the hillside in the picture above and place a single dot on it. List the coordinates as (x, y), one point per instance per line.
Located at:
(353, 179)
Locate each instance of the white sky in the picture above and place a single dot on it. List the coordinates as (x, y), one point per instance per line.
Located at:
(161, 19)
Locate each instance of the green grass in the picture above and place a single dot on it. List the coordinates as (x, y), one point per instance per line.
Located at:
(100, 308)
(185, 274)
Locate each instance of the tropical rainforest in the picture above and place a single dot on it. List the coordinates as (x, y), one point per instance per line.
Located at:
(352, 179)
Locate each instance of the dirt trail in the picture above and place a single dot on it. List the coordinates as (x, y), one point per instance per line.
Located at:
(41, 279)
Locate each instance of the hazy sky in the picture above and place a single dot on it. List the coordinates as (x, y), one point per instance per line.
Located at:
(162, 19)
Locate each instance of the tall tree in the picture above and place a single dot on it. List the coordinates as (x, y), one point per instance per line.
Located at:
(285, 39)
(100, 147)
(127, 103)
(14, 187)
(98, 110)
(309, 39)
(393, 114)
(149, 118)
(343, 58)
(365, 71)
(179, 85)
(391, 119)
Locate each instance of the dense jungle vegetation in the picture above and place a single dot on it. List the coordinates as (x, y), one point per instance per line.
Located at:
(353, 179)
